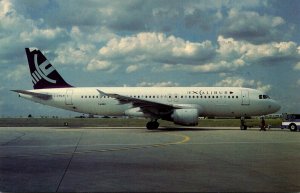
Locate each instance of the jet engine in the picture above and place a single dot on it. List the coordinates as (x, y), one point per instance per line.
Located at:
(188, 117)
(135, 112)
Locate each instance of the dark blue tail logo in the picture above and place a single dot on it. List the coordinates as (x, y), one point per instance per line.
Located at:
(43, 74)
(41, 71)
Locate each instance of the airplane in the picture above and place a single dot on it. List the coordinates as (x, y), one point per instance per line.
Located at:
(180, 105)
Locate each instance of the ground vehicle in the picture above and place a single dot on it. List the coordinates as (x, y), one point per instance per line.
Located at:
(291, 121)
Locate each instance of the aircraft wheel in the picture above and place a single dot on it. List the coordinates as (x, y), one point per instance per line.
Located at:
(152, 125)
(293, 127)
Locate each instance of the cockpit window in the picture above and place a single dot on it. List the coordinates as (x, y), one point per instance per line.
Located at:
(264, 97)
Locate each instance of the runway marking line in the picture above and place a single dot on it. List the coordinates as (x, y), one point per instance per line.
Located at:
(185, 139)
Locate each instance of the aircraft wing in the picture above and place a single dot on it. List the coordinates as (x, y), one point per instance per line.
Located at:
(154, 108)
(37, 95)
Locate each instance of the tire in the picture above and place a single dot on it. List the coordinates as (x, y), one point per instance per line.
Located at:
(152, 125)
(293, 127)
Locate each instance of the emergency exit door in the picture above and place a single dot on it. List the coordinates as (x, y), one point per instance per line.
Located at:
(68, 97)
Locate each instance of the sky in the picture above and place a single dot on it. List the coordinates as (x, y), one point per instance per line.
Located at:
(252, 44)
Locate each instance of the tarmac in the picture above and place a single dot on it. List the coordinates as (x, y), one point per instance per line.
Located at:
(44, 159)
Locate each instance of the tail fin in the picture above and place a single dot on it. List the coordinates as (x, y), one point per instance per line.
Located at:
(42, 72)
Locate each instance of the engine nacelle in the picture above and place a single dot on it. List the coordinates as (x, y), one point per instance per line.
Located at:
(135, 112)
(188, 117)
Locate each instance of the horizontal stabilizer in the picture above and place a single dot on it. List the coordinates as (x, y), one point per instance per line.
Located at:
(37, 95)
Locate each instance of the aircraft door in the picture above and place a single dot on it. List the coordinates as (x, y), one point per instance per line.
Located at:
(245, 97)
(68, 97)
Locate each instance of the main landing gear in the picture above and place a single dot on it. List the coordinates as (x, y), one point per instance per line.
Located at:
(152, 125)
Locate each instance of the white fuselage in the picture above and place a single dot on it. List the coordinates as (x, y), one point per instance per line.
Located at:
(210, 101)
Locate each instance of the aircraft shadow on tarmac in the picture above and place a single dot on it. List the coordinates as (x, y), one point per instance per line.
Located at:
(161, 129)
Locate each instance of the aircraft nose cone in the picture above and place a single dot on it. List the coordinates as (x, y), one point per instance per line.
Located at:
(275, 106)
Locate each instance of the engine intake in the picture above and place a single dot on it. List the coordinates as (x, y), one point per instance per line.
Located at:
(187, 117)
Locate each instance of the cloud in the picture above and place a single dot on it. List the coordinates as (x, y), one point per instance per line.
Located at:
(233, 54)
(297, 66)
(158, 84)
(213, 67)
(74, 53)
(18, 73)
(219, 66)
(268, 53)
(200, 84)
(253, 27)
(133, 68)
(157, 47)
(237, 81)
(17, 31)
(201, 18)
(101, 65)
(37, 34)
(142, 49)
